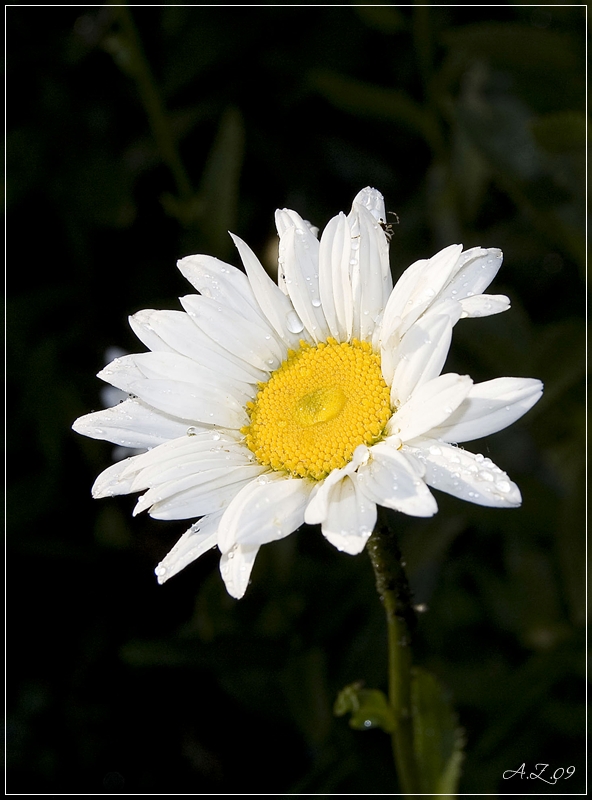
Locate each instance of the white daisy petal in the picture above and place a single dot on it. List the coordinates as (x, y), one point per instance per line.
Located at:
(484, 305)
(175, 331)
(429, 406)
(191, 464)
(299, 263)
(372, 200)
(201, 537)
(469, 476)
(317, 509)
(276, 306)
(236, 566)
(475, 270)
(376, 284)
(222, 283)
(264, 406)
(194, 439)
(173, 366)
(131, 424)
(421, 355)
(197, 495)
(206, 404)
(252, 341)
(110, 481)
(418, 288)
(350, 518)
(121, 372)
(335, 253)
(286, 218)
(267, 509)
(391, 480)
(488, 408)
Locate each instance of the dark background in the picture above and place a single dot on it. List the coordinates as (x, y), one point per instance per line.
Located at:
(471, 123)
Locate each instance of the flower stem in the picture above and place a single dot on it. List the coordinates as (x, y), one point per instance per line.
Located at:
(394, 592)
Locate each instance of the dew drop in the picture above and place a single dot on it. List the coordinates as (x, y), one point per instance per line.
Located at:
(316, 302)
(503, 486)
(293, 322)
(191, 431)
(435, 450)
(479, 458)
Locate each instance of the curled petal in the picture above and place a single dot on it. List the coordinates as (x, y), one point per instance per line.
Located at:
(429, 406)
(265, 510)
(469, 476)
(236, 566)
(318, 507)
(392, 481)
(131, 424)
(350, 518)
(484, 305)
(201, 537)
(488, 408)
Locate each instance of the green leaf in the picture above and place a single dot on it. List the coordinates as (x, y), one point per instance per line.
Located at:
(369, 708)
(375, 102)
(437, 740)
(218, 188)
(560, 132)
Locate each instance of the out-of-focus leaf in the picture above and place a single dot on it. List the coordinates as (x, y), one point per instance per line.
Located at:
(304, 683)
(559, 132)
(369, 708)
(437, 739)
(514, 701)
(368, 100)
(218, 189)
(500, 128)
(386, 19)
(558, 358)
(516, 46)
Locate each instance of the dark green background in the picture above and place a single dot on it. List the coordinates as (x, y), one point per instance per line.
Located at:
(471, 122)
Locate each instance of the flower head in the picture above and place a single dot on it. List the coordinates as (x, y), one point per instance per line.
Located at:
(263, 406)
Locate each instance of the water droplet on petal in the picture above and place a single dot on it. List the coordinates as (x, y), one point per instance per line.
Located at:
(293, 322)
(503, 486)
(316, 302)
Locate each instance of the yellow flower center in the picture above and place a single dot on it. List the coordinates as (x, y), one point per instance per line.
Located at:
(317, 407)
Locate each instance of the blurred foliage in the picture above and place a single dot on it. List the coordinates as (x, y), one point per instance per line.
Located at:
(471, 121)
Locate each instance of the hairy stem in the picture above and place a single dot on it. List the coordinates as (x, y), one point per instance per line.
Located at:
(393, 589)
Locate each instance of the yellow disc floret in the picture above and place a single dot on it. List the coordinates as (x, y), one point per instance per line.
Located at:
(317, 407)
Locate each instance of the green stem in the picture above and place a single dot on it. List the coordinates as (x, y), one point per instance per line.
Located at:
(393, 588)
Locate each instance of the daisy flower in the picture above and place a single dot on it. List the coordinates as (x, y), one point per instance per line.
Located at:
(263, 406)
